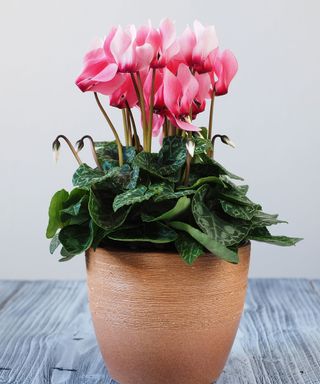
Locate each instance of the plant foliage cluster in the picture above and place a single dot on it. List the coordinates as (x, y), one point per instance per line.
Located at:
(146, 201)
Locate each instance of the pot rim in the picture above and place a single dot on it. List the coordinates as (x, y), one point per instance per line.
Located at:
(128, 250)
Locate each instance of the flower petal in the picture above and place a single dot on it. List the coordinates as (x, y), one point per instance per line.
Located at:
(207, 41)
(106, 45)
(226, 66)
(107, 74)
(144, 55)
(190, 88)
(108, 87)
(157, 122)
(172, 92)
(204, 82)
(168, 33)
(120, 43)
(185, 126)
(124, 94)
(187, 42)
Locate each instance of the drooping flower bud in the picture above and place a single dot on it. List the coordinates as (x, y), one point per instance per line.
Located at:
(56, 147)
(190, 144)
(225, 139)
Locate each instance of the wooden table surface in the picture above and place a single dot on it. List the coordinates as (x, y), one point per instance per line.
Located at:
(46, 335)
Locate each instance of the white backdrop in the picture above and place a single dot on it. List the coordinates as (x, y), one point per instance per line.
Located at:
(271, 113)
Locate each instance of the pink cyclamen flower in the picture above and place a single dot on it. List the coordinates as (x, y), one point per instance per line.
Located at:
(163, 40)
(225, 68)
(120, 53)
(99, 74)
(179, 93)
(197, 45)
(129, 54)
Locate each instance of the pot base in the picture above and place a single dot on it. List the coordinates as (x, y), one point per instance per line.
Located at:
(160, 358)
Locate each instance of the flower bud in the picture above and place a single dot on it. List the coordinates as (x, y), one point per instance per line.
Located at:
(190, 147)
(55, 147)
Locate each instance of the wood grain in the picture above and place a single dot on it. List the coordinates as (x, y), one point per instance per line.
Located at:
(46, 335)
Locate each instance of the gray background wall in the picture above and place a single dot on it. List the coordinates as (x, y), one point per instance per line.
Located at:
(272, 113)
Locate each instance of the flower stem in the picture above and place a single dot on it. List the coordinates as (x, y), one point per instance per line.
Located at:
(129, 127)
(151, 109)
(74, 152)
(171, 129)
(187, 170)
(210, 151)
(213, 143)
(135, 134)
(143, 113)
(93, 150)
(125, 126)
(135, 85)
(115, 133)
(165, 127)
(211, 115)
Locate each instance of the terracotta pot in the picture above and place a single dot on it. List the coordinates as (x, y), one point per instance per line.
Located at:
(159, 320)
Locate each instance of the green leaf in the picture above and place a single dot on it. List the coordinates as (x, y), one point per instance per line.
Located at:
(55, 207)
(244, 212)
(136, 195)
(98, 238)
(115, 179)
(181, 206)
(107, 153)
(243, 189)
(149, 162)
(213, 246)
(225, 232)
(65, 255)
(73, 204)
(237, 198)
(262, 219)
(204, 132)
(263, 235)
(98, 235)
(203, 145)
(168, 163)
(151, 232)
(76, 238)
(283, 241)
(134, 177)
(85, 176)
(119, 178)
(101, 211)
(75, 208)
(210, 167)
(188, 248)
(169, 195)
(54, 243)
(204, 180)
(173, 151)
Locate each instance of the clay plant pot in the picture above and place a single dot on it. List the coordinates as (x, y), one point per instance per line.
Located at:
(159, 320)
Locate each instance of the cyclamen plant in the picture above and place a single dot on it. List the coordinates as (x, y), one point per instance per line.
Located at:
(179, 196)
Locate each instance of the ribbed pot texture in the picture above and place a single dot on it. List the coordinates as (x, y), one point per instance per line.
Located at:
(161, 321)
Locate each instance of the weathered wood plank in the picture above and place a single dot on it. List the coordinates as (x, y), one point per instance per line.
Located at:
(46, 335)
(279, 336)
